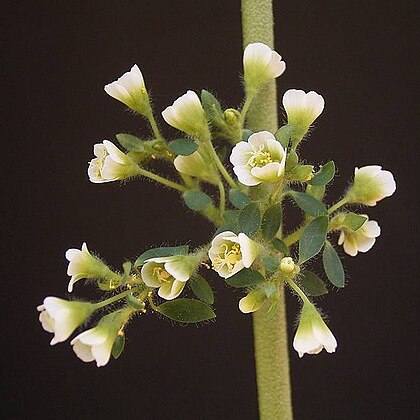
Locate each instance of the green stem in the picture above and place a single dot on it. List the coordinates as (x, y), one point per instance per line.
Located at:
(298, 290)
(270, 333)
(115, 298)
(337, 205)
(154, 125)
(293, 237)
(245, 108)
(222, 198)
(164, 181)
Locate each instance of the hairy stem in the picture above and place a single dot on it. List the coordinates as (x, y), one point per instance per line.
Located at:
(270, 333)
(160, 179)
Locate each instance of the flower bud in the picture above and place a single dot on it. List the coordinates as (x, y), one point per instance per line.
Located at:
(252, 301)
(287, 265)
(232, 117)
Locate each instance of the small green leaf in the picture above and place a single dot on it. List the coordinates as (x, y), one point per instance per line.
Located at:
(183, 147)
(283, 135)
(196, 200)
(118, 346)
(238, 199)
(324, 175)
(186, 310)
(280, 246)
(292, 160)
(250, 219)
(271, 263)
(313, 238)
(165, 251)
(231, 219)
(308, 204)
(312, 284)
(316, 191)
(244, 278)
(333, 266)
(301, 173)
(246, 134)
(201, 289)
(130, 142)
(271, 221)
(354, 221)
(212, 107)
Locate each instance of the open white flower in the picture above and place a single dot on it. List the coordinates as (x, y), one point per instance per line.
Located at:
(198, 165)
(83, 265)
(130, 90)
(230, 253)
(62, 317)
(187, 114)
(169, 274)
(302, 110)
(110, 164)
(371, 184)
(96, 343)
(261, 64)
(360, 240)
(260, 159)
(313, 334)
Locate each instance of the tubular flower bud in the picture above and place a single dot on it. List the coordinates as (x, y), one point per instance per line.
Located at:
(187, 114)
(261, 64)
(62, 317)
(260, 159)
(360, 240)
(230, 253)
(371, 184)
(131, 91)
(313, 334)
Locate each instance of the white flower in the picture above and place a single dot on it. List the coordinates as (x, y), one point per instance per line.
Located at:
(302, 109)
(371, 184)
(230, 253)
(252, 301)
(260, 159)
(130, 90)
(96, 343)
(261, 64)
(83, 265)
(110, 164)
(169, 274)
(62, 317)
(187, 114)
(361, 240)
(198, 165)
(312, 334)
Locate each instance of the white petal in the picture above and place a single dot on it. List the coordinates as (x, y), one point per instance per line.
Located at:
(268, 173)
(276, 65)
(115, 153)
(364, 243)
(102, 352)
(249, 250)
(180, 270)
(171, 290)
(371, 229)
(83, 352)
(240, 154)
(245, 177)
(92, 337)
(260, 139)
(147, 274)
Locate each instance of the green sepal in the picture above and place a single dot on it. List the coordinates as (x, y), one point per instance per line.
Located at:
(301, 173)
(280, 246)
(238, 199)
(353, 221)
(311, 284)
(134, 303)
(212, 108)
(283, 135)
(131, 143)
(109, 283)
(246, 134)
(316, 191)
(196, 200)
(313, 238)
(118, 346)
(165, 251)
(186, 310)
(324, 175)
(183, 146)
(308, 204)
(271, 221)
(270, 263)
(332, 266)
(250, 219)
(245, 278)
(201, 289)
(292, 159)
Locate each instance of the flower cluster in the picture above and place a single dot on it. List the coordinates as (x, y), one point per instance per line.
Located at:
(238, 180)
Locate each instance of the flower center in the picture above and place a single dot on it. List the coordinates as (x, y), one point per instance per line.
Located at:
(259, 157)
(229, 257)
(161, 274)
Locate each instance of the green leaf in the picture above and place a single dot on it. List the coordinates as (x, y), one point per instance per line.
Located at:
(130, 142)
(246, 134)
(201, 289)
(186, 310)
(183, 147)
(212, 108)
(301, 173)
(308, 204)
(271, 263)
(250, 219)
(324, 175)
(280, 246)
(354, 221)
(244, 278)
(271, 221)
(196, 200)
(333, 266)
(231, 219)
(313, 238)
(316, 191)
(165, 251)
(283, 135)
(118, 346)
(312, 284)
(238, 199)
(292, 160)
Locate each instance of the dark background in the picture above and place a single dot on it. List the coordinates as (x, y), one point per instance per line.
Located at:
(361, 56)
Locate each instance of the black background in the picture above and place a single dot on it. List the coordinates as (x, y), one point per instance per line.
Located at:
(361, 56)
